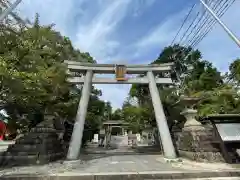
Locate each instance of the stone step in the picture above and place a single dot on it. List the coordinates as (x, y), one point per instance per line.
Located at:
(118, 153)
(11, 160)
(35, 140)
(41, 135)
(155, 175)
(16, 160)
(22, 153)
(6, 153)
(33, 148)
(43, 130)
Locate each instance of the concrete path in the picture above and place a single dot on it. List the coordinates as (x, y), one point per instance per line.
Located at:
(149, 166)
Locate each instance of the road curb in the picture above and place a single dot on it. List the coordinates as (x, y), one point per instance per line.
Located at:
(126, 175)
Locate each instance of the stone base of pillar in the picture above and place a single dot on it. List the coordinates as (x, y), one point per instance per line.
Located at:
(175, 160)
(202, 156)
(198, 144)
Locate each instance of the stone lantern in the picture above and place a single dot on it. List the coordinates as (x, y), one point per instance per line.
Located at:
(195, 140)
(190, 113)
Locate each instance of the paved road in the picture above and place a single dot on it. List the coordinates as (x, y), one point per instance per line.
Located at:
(104, 164)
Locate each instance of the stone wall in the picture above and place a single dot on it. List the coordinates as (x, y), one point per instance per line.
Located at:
(198, 145)
(39, 146)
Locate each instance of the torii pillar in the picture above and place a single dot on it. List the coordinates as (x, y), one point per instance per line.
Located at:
(168, 148)
(77, 134)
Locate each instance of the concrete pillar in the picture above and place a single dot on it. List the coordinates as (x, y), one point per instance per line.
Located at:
(77, 134)
(168, 148)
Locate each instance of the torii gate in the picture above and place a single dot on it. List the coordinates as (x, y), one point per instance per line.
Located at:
(88, 79)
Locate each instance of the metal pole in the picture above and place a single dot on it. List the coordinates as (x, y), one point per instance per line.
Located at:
(228, 31)
(7, 11)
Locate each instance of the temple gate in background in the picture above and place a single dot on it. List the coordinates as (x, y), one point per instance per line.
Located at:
(84, 73)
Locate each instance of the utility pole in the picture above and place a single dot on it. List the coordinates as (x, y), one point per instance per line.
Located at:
(228, 31)
(7, 11)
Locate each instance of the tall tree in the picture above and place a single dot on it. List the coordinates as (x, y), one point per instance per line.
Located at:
(182, 58)
(33, 75)
(234, 73)
(203, 77)
(117, 114)
(201, 80)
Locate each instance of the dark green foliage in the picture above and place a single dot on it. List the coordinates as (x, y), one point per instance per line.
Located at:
(33, 76)
(218, 94)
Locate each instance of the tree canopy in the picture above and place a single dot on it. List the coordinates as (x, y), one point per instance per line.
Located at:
(193, 77)
(33, 75)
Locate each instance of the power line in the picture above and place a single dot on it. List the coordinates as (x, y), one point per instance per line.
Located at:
(200, 24)
(211, 24)
(219, 11)
(195, 40)
(183, 24)
(200, 31)
(189, 27)
(220, 15)
(223, 10)
(222, 24)
(198, 18)
(195, 23)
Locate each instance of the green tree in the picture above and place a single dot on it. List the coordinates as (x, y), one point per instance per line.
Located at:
(117, 115)
(182, 58)
(107, 111)
(133, 116)
(203, 77)
(202, 80)
(223, 95)
(234, 73)
(33, 75)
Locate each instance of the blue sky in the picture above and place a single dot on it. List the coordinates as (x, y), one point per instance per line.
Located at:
(130, 31)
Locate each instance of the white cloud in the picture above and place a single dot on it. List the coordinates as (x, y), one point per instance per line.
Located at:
(140, 5)
(58, 12)
(96, 37)
(161, 35)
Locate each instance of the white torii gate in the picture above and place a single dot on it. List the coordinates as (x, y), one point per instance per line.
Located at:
(88, 79)
(150, 79)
